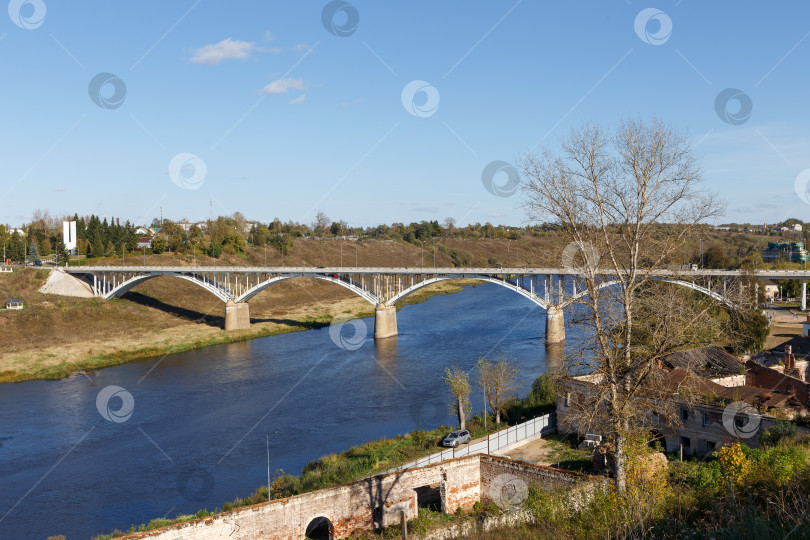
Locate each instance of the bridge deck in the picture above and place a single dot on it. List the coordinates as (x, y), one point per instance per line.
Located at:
(461, 272)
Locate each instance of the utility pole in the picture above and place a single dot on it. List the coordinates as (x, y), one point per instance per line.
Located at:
(268, 466)
(265, 254)
(123, 253)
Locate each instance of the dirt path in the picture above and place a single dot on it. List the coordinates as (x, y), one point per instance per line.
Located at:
(538, 451)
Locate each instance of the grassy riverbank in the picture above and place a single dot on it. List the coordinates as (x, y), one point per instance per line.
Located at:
(56, 336)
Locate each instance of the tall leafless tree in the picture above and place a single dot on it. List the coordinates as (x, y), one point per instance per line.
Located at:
(498, 380)
(627, 200)
(320, 224)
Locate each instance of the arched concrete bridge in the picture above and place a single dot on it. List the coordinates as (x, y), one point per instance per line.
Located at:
(552, 289)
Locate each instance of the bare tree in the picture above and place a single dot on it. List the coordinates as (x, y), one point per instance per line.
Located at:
(498, 380)
(459, 383)
(320, 224)
(627, 201)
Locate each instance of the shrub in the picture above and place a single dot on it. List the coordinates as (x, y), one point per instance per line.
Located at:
(734, 462)
(215, 250)
(780, 430)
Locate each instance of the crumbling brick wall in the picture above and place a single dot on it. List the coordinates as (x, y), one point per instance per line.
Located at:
(348, 507)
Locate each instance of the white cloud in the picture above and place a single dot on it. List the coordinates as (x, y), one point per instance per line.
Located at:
(302, 47)
(227, 49)
(59, 188)
(282, 86)
(268, 36)
(299, 99)
(350, 103)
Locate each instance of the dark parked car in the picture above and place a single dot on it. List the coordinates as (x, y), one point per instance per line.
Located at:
(456, 438)
(37, 263)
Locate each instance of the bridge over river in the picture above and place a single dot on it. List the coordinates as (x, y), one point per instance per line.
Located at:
(552, 289)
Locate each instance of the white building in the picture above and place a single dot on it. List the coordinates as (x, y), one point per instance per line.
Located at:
(69, 236)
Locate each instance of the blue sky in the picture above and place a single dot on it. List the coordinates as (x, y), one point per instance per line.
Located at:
(273, 115)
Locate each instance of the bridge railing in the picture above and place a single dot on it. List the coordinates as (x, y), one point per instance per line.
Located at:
(541, 425)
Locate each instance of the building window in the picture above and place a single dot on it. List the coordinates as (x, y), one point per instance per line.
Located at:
(706, 419)
(684, 415)
(686, 442)
(710, 446)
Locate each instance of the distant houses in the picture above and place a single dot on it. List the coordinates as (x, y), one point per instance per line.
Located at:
(771, 289)
(789, 251)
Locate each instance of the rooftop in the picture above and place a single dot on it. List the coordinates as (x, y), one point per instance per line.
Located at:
(710, 362)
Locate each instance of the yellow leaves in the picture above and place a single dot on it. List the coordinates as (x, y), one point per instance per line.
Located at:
(734, 462)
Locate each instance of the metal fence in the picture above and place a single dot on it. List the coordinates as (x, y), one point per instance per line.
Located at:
(542, 425)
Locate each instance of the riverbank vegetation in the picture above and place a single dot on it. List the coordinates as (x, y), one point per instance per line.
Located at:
(737, 493)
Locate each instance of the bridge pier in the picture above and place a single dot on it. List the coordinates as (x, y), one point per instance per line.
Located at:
(237, 315)
(385, 321)
(555, 325)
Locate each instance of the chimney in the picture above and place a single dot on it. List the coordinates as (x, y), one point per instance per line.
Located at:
(790, 359)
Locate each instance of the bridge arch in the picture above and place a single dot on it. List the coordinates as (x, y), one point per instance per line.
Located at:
(503, 283)
(688, 284)
(345, 283)
(127, 285)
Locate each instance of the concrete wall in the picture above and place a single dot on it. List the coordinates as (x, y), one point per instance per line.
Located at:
(461, 482)
(731, 381)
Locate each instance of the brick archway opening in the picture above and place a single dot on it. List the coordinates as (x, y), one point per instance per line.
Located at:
(320, 528)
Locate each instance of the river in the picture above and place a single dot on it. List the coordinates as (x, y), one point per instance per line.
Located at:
(196, 435)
